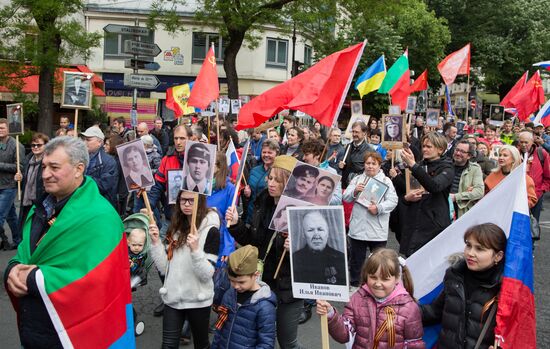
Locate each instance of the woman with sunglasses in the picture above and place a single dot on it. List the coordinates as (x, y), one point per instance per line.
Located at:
(32, 186)
(187, 263)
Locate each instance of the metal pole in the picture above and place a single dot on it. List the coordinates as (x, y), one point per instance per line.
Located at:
(294, 71)
(135, 94)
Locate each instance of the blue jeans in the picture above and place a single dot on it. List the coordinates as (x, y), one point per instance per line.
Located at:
(7, 196)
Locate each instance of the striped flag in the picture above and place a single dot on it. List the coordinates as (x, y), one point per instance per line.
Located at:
(372, 78)
(543, 116)
(232, 158)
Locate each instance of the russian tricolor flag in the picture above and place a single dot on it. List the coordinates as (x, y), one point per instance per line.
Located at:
(505, 206)
(545, 65)
(543, 116)
(232, 158)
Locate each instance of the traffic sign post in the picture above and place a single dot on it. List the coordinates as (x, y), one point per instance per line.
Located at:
(141, 48)
(141, 64)
(141, 81)
(473, 105)
(125, 29)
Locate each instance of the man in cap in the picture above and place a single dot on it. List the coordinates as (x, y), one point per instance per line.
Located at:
(198, 169)
(102, 167)
(305, 177)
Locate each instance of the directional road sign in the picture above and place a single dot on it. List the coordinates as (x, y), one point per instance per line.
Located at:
(125, 29)
(141, 48)
(141, 64)
(141, 81)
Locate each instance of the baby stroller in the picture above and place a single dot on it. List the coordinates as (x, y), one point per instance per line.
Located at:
(137, 279)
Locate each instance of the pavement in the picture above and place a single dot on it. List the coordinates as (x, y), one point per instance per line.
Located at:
(146, 298)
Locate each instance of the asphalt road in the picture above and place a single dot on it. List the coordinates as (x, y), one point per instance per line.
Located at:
(146, 298)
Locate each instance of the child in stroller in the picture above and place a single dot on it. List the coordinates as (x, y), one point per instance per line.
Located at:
(136, 227)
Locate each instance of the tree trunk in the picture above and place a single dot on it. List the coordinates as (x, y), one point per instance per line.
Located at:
(236, 39)
(45, 100)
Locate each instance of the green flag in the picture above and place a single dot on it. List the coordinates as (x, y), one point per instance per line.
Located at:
(395, 73)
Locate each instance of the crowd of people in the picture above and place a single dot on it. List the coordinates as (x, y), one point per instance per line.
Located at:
(455, 164)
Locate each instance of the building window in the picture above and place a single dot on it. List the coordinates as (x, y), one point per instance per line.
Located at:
(307, 55)
(114, 44)
(202, 43)
(277, 53)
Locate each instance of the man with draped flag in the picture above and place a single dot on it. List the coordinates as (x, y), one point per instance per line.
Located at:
(372, 78)
(457, 63)
(421, 83)
(397, 81)
(70, 280)
(319, 92)
(514, 91)
(529, 99)
(177, 99)
(206, 87)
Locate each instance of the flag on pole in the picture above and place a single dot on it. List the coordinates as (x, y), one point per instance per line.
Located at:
(457, 63)
(372, 78)
(177, 98)
(232, 158)
(543, 116)
(545, 65)
(448, 104)
(397, 81)
(206, 88)
(319, 91)
(506, 206)
(514, 91)
(421, 83)
(529, 99)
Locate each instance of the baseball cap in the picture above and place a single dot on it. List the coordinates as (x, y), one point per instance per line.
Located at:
(93, 131)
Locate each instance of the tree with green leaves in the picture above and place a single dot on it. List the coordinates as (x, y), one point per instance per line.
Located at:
(37, 37)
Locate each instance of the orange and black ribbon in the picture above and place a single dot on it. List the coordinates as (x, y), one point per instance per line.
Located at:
(223, 314)
(387, 325)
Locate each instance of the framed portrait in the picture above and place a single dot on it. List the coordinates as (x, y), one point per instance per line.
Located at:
(411, 105)
(373, 193)
(14, 113)
(318, 254)
(175, 181)
(311, 184)
(135, 166)
(460, 126)
(421, 101)
(357, 107)
(279, 221)
(77, 90)
(495, 150)
(432, 117)
(411, 182)
(198, 167)
(364, 118)
(394, 110)
(223, 105)
(393, 131)
(496, 115)
(235, 106)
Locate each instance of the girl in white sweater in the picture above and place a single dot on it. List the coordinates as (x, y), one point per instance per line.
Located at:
(187, 262)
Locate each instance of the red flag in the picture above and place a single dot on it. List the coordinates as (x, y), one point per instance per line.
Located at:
(319, 91)
(529, 98)
(514, 91)
(421, 83)
(401, 90)
(206, 87)
(457, 63)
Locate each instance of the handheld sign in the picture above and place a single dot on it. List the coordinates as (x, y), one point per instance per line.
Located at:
(14, 114)
(198, 169)
(135, 166)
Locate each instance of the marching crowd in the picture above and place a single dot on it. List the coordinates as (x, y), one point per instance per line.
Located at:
(453, 164)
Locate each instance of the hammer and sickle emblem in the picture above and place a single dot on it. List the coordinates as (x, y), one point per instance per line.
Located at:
(212, 60)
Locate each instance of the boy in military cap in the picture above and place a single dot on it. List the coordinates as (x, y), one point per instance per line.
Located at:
(246, 316)
(198, 169)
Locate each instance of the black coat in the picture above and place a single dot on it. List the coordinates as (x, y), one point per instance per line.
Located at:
(423, 220)
(258, 234)
(355, 162)
(461, 318)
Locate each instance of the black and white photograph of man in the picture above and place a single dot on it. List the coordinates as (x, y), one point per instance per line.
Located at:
(411, 105)
(136, 169)
(432, 117)
(15, 118)
(357, 107)
(392, 128)
(77, 90)
(317, 242)
(175, 181)
(198, 169)
(302, 181)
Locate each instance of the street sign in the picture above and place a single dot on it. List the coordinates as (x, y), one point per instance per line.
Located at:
(141, 48)
(141, 81)
(141, 64)
(125, 29)
(473, 103)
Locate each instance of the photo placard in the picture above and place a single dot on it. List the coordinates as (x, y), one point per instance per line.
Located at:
(135, 166)
(311, 184)
(175, 182)
(363, 118)
(357, 107)
(411, 182)
(393, 131)
(198, 167)
(77, 90)
(496, 115)
(373, 193)
(14, 113)
(279, 221)
(432, 117)
(411, 105)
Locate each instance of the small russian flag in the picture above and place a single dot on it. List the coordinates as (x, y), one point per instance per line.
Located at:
(232, 158)
(545, 65)
(543, 116)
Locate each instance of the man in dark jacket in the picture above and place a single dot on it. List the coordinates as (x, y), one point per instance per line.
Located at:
(353, 162)
(161, 134)
(119, 127)
(335, 150)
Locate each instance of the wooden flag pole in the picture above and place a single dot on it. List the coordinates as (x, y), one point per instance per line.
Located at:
(244, 180)
(324, 332)
(467, 96)
(194, 216)
(392, 158)
(208, 129)
(76, 122)
(148, 206)
(236, 193)
(279, 265)
(347, 152)
(218, 123)
(18, 161)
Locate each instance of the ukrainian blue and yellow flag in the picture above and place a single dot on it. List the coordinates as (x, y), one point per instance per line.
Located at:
(372, 78)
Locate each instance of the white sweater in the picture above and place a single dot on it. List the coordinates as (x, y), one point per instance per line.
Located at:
(188, 280)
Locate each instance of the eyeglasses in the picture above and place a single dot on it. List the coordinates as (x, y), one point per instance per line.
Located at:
(36, 145)
(187, 202)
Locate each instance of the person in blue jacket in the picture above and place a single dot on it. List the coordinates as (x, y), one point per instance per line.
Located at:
(246, 315)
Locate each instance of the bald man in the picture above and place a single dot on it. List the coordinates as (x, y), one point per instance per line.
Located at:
(142, 129)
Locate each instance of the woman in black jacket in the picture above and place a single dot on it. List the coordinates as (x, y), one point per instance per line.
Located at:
(258, 234)
(470, 288)
(424, 213)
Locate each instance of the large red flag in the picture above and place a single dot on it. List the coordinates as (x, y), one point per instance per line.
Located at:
(401, 90)
(529, 98)
(457, 63)
(421, 83)
(206, 87)
(514, 91)
(319, 91)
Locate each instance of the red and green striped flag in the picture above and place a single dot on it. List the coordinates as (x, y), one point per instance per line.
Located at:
(397, 81)
(83, 272)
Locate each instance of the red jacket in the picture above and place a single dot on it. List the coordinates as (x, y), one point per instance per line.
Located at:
(540, 175)
(363, 315)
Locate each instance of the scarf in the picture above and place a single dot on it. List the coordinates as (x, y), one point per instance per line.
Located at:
(30, 187)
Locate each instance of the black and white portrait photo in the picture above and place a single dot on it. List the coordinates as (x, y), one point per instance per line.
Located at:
(311, 184)
(15, 118)
(411, 183)
(279, 221)
(496, 115)
(77, 90)
(135, 167)
(223, 105)
(411, 105)
(357, 107)
(394, 110)
(198, 168)
(432, 117)
(175, 181)
(421, 102)
(318, 252)
(393, 134)
(373, 193)
(235, 106)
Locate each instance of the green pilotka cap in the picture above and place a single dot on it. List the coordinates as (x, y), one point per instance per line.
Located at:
(244, 261)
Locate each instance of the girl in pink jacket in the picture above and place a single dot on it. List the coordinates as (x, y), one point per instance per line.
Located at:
(382, 313)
